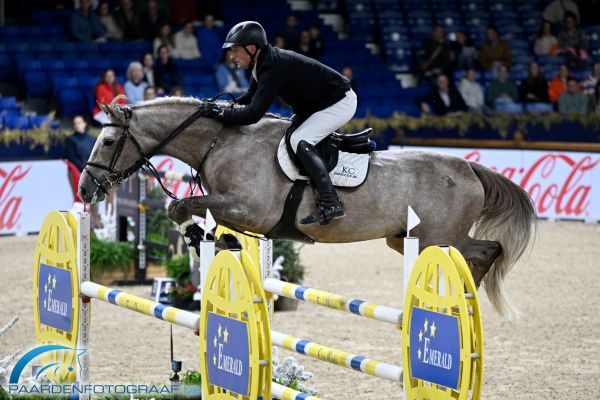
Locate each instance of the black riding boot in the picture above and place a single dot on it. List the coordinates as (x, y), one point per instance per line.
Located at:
(329, 206)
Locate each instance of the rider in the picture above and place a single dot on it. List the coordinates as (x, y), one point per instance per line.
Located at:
(319, 96)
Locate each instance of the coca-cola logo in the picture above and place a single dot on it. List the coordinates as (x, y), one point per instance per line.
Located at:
(9, 204)
(555, 182)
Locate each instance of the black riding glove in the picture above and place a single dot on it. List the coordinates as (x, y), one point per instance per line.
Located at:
(211, 110)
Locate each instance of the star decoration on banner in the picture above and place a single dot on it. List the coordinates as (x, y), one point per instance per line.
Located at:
(220, 329)
(426, 324)
(225, 335)
(214, 360)
(419, 353)
(433, 328)
(215, 342)
(54, 282)
(420, 336)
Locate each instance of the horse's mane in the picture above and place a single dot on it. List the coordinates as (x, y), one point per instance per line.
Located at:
(192, 101)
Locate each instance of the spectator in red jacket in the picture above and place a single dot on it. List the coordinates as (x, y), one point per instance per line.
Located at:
(106, 90)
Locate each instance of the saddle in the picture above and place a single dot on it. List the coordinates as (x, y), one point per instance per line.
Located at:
(347, 159)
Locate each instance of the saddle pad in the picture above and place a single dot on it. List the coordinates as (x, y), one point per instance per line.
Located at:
(350, 171)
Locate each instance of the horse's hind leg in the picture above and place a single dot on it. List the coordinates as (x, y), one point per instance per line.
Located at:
(480, 254)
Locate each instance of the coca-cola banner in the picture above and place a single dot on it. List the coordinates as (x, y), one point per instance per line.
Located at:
(28, 191)
(562, 184)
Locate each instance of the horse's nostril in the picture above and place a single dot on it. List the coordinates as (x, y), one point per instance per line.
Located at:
(82, 191)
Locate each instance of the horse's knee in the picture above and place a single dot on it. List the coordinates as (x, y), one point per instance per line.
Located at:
(178, 212)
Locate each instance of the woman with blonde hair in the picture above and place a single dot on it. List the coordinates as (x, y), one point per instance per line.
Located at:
(135, 85)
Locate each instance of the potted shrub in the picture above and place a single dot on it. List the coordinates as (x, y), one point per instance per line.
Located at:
(182, 295)
(107, 257)
(292, 271)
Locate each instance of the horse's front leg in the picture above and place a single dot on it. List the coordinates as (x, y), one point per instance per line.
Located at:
(181, 211)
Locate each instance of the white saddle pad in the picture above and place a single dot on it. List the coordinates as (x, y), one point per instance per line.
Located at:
(350, 171)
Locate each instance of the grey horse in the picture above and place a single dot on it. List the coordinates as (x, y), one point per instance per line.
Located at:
(487, 217)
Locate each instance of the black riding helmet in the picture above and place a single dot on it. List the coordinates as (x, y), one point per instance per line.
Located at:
(246, 33)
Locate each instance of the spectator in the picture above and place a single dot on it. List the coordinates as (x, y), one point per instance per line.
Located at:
(151, 19)
(164, 38)
(471, 92)
(210, 7)
(494, 51)
(556, 10)
(279, 42)
(177, 91)
(304, 47)
(127, 20)
(186, 42)
(166, 72)
(79, 145)
(464, 53)
(135, 85)
(108, 21)
(85, 26)
(594, 101)
(106, 90)
(589, 85)
(443, 100)
(572, 101)
(229, 78)
(149, 93)
(573, 43)
(501, 88)
(534, 88)
(148, 68)
(545, 40)
(347, 72)
(436, 57)
(291, 32)
(209, 41)
(559, 84)
(317, 44)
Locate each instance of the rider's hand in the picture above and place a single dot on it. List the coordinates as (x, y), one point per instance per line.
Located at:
(211, 110)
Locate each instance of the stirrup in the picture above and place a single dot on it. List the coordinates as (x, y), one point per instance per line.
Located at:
(326, 212)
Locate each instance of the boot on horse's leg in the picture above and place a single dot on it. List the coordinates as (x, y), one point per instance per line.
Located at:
(329, 205)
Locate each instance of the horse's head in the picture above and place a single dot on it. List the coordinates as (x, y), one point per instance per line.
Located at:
(116, 155)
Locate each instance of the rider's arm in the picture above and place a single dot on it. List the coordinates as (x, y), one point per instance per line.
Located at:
(246, 98)
(267, 90)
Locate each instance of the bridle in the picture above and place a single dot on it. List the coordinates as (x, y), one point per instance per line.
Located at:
(116, 177)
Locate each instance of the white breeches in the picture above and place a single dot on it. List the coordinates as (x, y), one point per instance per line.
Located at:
(322, 123)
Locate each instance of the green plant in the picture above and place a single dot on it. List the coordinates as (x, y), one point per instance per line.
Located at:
(183, 292)
(110, 256)
(191, 377)
(293, 270)
(178, 268)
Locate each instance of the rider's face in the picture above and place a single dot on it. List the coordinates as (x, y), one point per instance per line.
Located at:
(240, 57)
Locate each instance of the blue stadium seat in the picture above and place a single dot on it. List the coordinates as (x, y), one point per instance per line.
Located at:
(73, 102)
(38, 84)
(17, 47)
(508, 107)
(37, 48)
(16, 122)
(63, 83)
(54, 65)
(542, 108)
(8, 102)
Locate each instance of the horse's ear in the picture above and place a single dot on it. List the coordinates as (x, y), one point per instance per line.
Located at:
(110, 111)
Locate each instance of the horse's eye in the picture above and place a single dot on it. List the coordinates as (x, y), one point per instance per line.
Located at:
(109, 142)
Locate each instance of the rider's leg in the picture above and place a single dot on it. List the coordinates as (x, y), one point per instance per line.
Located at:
(314, 129)
(330, 206)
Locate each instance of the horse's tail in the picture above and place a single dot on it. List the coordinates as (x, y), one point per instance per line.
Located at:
(508, 217)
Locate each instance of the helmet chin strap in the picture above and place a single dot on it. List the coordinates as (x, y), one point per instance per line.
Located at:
(252, 57)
